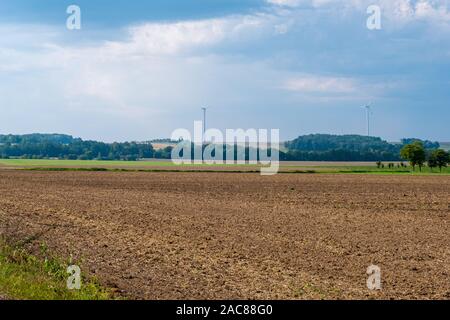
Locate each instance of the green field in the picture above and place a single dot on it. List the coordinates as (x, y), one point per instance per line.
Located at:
(154, 166)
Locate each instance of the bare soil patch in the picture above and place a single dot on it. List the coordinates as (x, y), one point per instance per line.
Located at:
(238, 236)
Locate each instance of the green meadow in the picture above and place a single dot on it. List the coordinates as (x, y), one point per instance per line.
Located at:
(155, 166)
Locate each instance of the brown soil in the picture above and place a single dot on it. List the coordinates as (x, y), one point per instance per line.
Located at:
(230, 236)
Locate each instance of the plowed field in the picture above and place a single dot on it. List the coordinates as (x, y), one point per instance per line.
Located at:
(239, 235)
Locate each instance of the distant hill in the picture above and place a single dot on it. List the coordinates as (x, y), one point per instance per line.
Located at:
(326, 142)
(314, 147)
(41, 146)
(325, 147)
(38, 138)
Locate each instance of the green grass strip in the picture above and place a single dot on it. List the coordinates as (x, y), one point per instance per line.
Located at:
(27, 277)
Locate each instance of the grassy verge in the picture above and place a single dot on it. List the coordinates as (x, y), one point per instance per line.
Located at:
(27, 277)
(168, 166)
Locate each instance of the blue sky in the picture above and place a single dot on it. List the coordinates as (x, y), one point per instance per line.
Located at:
(141, 69)
(122, 12)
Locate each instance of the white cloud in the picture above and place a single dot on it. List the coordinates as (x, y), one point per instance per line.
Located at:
(181, 37)
(287, 3)
(166, 68)
(320, 84)
(297, 3)
(395, 11)
(338, 88)
(435, 12)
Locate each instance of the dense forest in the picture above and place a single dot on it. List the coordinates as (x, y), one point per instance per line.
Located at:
(41, 146)
(317, 147)
(324, 147)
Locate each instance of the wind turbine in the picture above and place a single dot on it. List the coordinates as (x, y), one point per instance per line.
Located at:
(204, 109)
(369, 112)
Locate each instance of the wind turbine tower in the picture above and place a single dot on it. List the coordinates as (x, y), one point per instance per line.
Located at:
(204, 123)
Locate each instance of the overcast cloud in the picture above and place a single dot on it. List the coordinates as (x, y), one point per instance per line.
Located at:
(301, 66)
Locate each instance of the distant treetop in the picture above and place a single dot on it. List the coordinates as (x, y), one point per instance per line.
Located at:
(325, 142)
(426, 143)
(38, 138)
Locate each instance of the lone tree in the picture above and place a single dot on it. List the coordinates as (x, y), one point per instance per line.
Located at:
(415, 154)
(439, 158)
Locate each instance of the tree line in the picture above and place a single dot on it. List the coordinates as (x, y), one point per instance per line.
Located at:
(325, 147)
(317, 147)
(44, 146)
